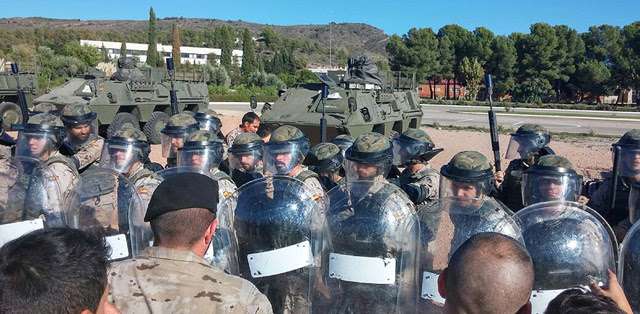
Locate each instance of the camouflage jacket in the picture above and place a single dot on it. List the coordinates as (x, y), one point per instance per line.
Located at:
(309, 178)
(226, 185)
(426, 179)
(165, 280)
(88, 153)
(231, 136)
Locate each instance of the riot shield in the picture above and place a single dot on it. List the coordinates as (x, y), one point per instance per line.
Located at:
(373, 236)
(29, 198)
(629, 267)
(444, 226)
(570, 245)
(278, 224)
(221, 252)
(107, 203)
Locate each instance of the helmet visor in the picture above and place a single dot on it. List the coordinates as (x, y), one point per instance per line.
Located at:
(171, 142)
(343, 144)
(246, 161)
(404, 151)
(367, 171)
(629, 161)
(522, 147)
(120, 156)
(634, 203)
(39, 144)
(282, 158)
(458, 188)
(203, 158)
(81, 132)
(211, 124)
(544, 186)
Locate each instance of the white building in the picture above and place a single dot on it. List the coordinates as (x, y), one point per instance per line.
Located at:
(195, 55)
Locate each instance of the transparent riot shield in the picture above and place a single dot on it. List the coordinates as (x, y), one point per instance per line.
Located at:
(29, 198)
(221, 253)
(444, 226)
(279, 226)
(373, 237)
(107, 203)
(570, 245)
(629, 267)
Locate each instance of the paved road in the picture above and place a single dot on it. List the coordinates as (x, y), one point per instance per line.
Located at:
(451, 115)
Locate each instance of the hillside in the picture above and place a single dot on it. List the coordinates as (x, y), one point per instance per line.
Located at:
(353, 38)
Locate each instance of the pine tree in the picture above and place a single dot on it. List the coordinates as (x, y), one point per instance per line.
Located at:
(248, 55)
(175, 42)
(153, 58)
(123, 49)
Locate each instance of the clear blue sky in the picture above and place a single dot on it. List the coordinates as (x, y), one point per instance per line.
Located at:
(393, 16)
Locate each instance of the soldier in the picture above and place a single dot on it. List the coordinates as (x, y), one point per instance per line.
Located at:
(203, 150)
(172, 276)
(284, 153)
(551, 178)
(82, 135)
(245, 158)
(45, 107)
(174, 134)
(369, 158)
(40, 138)
(527, 144)
(413, 150)
(209, 121)
(343, 141)
(628, 174)
(6, 142)
(325, 159)
(250, 123)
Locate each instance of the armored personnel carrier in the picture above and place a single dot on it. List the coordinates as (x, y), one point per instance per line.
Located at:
(132, 97)
(363, 101)
(9, 108)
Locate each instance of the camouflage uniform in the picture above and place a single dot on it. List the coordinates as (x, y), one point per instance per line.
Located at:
(510, 190)
(289, 135)
(85, 153)
(178, 126)
(166, 280)
(326, 159)
(246, 144)
(619, 215)
(6, 142)
(63, 171)
(209, 120)
(415, 147)
(231, 136)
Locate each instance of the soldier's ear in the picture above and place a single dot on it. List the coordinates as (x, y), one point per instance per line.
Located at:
(442, 283)
(208, 234)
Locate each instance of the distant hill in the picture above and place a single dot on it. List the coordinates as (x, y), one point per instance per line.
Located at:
(354, 38)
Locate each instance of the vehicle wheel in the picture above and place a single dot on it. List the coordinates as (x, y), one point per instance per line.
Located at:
(10, 114)
(152, 128)
(121, 120)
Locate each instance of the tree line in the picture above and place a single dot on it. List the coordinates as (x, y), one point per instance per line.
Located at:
(549, 64)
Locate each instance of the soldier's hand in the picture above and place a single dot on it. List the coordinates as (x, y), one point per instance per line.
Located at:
(498, 177)
(613, 291)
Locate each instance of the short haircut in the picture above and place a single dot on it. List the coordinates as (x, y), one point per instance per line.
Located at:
(57, 270)
(489, 273)
(250, 117)
(263, 130)
(576, 301)
(181, 227)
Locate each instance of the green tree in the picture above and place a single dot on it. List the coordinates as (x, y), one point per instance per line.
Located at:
(568, 55)
(226, 37)
(472, 74)
(536, 56)
(105, 54)
(447, 59)
(153, 57)
(631, 54)
(218, 76)
(479, 46)
(23, 54)
(90, 55)
(459, 38)
(591, 75)
(501, 64)
(175, 45)
(248, 55)
(123, 49)
(271, 38)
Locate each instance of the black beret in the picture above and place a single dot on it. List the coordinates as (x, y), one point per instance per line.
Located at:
(181, 191)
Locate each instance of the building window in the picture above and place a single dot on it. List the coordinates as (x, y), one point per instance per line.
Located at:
(184, 55)
(419, 88)
(438, 89)
(166, 54)
(129, 51)
(200, 56)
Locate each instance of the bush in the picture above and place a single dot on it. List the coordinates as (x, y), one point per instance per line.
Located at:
(218, 76)
(603, 107)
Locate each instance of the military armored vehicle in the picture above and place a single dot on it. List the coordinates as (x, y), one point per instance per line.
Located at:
(132, 97)
(363, 101)
(9, 107)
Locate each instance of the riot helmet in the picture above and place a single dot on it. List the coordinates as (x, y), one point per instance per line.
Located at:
(80, 122)
(45, 107)
(175, 133)
(208, 120)
(629, 156)
(124, 150)
(369, 158)
(285, 150)
(527, 141)
(324, 159)
(343, 141)
(202, 150)
(246, 152)
(551, 178)
(40, 137)
(634, 203)
(629, 263)
(414, 145)
(570, 245)
(468, 174)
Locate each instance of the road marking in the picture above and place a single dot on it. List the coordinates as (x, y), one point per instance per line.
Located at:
(463, 120)
(518, 123)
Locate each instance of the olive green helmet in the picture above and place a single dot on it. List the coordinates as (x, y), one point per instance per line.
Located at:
(246, 144)
(45, 107)
(208, 120)
(550, 178)
(132, 142)
(527, 141)
(204, 145)
(470, 167)
(370, 147)
(414, 145)
(285, 140)
(629, 147)
(324, 157)
(180, 124)
(42, 125)
(75, 114)
(288, 134)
